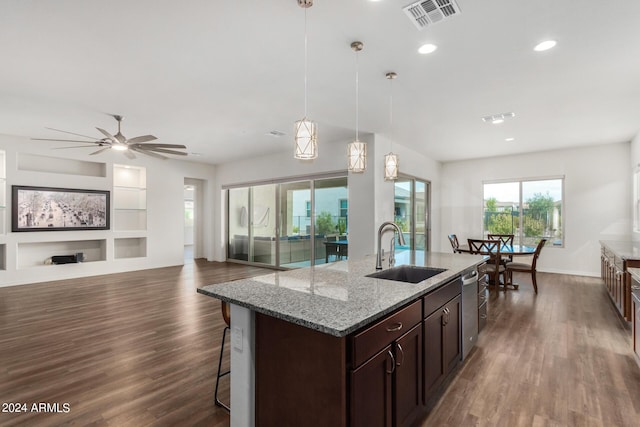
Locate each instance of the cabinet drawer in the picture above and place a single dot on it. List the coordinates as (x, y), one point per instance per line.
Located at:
(619, 263)
(369, 342)
(482, 316)
(441, 296)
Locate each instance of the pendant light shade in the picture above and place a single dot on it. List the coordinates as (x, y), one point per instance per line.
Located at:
(357, 150)
(390, 167)
(305, 130)
(357, 153)
(391, 160)
(306, 143)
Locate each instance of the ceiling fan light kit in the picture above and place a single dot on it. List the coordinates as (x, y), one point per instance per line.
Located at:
(118, 142)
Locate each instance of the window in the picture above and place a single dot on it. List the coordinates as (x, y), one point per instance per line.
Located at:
(529, 209)
(308, 208)
(344, 208)
(411, 209)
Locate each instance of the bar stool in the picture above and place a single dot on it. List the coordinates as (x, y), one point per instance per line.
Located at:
(226, 315)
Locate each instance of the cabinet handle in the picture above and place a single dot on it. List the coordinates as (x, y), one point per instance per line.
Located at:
(395, 328)
(393, 363)
(402, 353)
(483, 316)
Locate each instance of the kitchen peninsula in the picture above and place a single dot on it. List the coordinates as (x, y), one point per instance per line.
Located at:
(327, 345)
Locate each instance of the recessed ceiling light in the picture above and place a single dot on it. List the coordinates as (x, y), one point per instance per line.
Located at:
(509, 139)
(276, 133)
(545, 45)
(427, 48)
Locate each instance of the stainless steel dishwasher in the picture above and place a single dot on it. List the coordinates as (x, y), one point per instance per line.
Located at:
(469, 311)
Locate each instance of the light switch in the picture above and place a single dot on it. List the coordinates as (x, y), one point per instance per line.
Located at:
(236, 338)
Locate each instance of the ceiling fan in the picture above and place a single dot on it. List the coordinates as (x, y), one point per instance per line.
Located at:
(129, 146)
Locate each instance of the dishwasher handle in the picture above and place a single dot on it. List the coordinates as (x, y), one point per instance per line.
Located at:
(470, 278)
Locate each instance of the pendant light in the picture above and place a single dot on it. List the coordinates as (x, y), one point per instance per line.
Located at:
(357, 150)
(391, 160)
(305, 130)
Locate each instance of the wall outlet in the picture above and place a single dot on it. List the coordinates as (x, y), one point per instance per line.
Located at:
(236, 338)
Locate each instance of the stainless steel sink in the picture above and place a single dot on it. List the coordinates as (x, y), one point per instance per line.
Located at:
(407, 273)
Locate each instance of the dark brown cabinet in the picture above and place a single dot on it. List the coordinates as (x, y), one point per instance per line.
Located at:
(442, 346)
(371, 391)
(407, 399)
(375, 376)
(635, 305)
(387, 388)
(615, 261)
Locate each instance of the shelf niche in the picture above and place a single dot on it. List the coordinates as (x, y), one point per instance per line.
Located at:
(37, 163)
(3, 257)
(129, 198)
(130, 247)
(34, 254)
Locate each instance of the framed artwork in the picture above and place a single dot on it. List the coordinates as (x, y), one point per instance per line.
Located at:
(55, 209)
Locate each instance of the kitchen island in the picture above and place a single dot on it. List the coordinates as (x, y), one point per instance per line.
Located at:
(306, 345)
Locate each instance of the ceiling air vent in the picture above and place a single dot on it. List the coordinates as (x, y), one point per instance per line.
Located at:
(428, 12)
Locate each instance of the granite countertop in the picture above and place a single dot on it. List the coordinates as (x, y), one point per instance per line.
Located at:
(624, 249)
(337, 298)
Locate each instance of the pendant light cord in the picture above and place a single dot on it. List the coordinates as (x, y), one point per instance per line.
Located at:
(305, 63)
(357, 92)
(391, 113)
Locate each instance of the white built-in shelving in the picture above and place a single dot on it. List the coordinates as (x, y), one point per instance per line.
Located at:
(36, 254)
(129, 198)
(130, 211)
(3, 195)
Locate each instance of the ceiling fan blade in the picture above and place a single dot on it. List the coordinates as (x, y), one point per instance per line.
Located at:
(76, 146)
(162, 150)
(152, 146)
(65, 140)
(71, 133)
(143, 138)
(129, 154)
(99, 151)
(107, 134)
(149, 153)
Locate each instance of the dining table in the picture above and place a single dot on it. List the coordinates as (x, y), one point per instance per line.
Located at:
(337, 248)
(506, 251)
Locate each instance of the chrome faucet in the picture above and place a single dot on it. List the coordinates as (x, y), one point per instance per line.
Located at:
(392, 251)
(381, 231)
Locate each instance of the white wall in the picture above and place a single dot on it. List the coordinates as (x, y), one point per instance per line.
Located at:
(165, 215)
(597, 203)
(634, 165)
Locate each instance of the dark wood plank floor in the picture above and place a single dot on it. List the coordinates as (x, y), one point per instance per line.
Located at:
(141, 348)
(129, 349)
(559, 358)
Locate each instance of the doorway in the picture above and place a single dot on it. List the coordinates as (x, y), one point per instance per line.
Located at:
(193, 193)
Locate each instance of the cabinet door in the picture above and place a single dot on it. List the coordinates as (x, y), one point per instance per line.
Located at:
(407, 400)
(432, 348)
(636, 327)
(371, 391)
(452, 335)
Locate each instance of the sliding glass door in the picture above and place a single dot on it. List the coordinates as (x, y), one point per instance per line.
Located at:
(411, 212)
(289, 224)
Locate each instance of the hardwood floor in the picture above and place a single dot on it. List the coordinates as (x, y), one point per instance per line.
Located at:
(561, 358)
(141, 348)
(129, 349)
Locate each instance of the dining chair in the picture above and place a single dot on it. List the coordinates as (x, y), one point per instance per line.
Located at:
(226, 316)
(455, 245)
(494, 267)
(506, 240)
(526, 268)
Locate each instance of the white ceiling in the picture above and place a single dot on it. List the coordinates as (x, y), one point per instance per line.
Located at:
(218, 75)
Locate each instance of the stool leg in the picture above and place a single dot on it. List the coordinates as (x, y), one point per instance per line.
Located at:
(219, 375)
